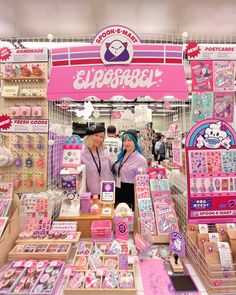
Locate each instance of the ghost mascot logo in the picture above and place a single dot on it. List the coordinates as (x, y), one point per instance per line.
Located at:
(116, 45)
(116, 51)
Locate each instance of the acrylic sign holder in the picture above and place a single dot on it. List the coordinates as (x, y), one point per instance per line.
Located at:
(211, 172)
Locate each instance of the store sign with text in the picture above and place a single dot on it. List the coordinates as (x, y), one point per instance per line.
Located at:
(28, 126)
(117, 64)
(211, 172)
(211, 51)
(23, 55)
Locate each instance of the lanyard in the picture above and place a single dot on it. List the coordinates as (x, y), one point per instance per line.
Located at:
(122, 163)
(99, 166)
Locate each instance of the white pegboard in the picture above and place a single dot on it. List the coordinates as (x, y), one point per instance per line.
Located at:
(60, 129)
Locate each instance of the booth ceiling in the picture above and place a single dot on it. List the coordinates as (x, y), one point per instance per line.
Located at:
(30, 18)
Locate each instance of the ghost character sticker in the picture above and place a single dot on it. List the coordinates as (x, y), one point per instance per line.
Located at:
(116, 50)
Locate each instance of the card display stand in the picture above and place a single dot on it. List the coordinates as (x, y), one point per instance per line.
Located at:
(100, 276)
(215, 279)
(40, 251)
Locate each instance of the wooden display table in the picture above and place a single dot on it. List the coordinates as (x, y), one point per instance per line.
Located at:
(84, 222)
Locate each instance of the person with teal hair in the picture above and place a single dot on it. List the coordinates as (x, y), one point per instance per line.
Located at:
(130, 161)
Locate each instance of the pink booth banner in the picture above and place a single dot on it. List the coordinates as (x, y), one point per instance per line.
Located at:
(104, 82)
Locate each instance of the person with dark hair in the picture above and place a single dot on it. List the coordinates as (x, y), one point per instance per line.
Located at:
(130, 161)
(160, 148)
(112, 143)
(96, 158)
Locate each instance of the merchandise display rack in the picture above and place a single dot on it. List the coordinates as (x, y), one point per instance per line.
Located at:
(212, 278)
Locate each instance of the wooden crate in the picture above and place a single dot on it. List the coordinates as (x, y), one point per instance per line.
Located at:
(47, 241)
(18, 252)
(84, 222)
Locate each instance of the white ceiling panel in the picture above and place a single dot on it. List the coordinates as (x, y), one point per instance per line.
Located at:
(37, 18)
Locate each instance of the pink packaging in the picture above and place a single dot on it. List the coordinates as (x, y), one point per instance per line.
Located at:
(37, 111)
(25, 111)
(85, 202)
(14, 111)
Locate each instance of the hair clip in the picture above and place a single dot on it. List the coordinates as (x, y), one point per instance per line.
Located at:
(29, 162)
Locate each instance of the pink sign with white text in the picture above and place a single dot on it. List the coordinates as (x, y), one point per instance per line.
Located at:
(105, 82)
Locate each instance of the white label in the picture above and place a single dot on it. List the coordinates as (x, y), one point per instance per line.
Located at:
(10, 90)
(28, 126)
(28, 55)
(231, 226)
(118, 182)
(203, 228)
(214, 237)
(225, 256)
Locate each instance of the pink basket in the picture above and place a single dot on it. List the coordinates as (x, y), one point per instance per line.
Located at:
(103, 225)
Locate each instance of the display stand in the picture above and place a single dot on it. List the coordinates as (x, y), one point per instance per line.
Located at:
(157, 239)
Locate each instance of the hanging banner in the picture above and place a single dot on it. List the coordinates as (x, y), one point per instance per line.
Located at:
(196, 51)
(202, 106)
(177, 152)
(202, 75)
(28, 126)
(23, 55)
(224, 76)
(117, 64)
(211, 172)
(224, 106)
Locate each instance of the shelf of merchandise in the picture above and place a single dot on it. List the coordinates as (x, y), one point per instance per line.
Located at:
(47, 240)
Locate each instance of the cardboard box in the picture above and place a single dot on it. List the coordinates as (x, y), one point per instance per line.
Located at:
(192, 231)
(11, 232)
(201, 240)
(222, 230)
(232, 240)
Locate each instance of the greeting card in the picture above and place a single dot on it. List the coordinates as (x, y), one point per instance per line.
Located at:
(202, 106)
(159, 185)
(145, 205)
(142, 180)
(202, 75)
(224, 106)
(157, 173)
(159, 197)
(224, 76)
(166, 220)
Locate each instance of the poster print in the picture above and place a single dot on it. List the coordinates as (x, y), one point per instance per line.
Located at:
(224, 106)
(202, 106)
(202, 75)
(224, 76)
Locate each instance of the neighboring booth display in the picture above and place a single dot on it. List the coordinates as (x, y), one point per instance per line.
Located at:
(211, 172)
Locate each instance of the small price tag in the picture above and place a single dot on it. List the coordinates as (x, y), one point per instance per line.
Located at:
(203, 228)
(214, 237)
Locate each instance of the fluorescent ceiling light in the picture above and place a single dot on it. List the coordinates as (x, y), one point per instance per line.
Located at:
(179, 105)
(159, 115)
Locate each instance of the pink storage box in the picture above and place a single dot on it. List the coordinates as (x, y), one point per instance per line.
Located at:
(85, 202)
(101, 225)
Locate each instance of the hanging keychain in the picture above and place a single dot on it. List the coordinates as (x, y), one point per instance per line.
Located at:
(40, 145)
(29, 161)
(194, 187)
(28, 181)
(18, 161)
(40, 162)
(17, 182)
(30, 145)
(18, 144)
(40, 181)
